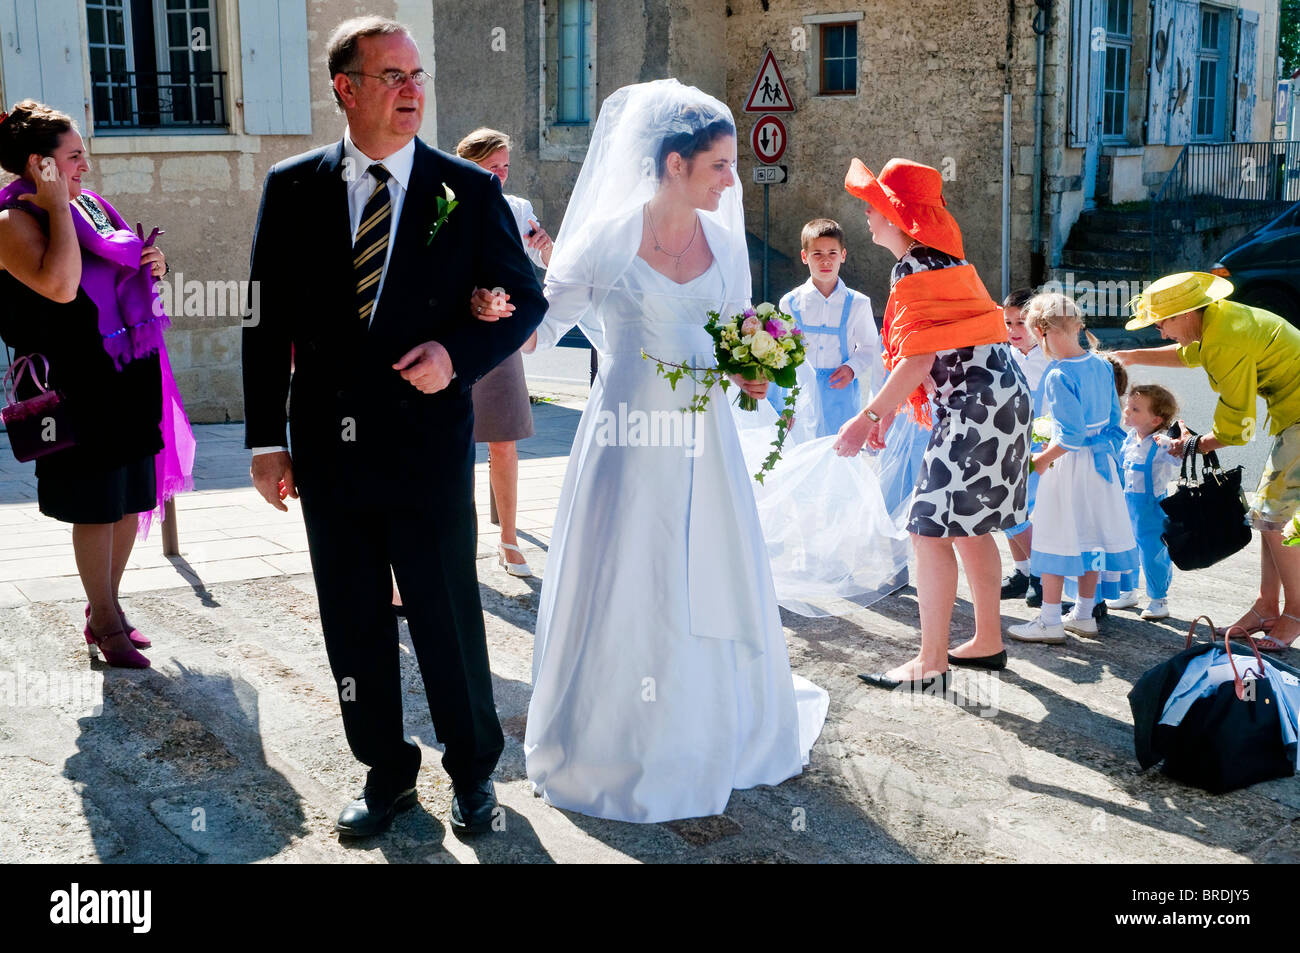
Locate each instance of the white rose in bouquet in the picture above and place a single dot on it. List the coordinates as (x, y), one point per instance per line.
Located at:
(763, 345)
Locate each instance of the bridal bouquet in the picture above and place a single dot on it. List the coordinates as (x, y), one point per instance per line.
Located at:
(759, 343)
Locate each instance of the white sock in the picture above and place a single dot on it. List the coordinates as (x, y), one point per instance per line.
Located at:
(1022, 566)
(1083, 607)
(1051, 613)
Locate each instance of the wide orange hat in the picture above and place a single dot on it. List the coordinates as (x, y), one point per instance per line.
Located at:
(911, 196)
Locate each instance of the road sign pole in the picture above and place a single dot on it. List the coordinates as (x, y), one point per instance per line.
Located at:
(766, 247)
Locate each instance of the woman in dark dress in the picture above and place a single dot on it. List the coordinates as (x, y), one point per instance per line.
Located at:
(91, 318)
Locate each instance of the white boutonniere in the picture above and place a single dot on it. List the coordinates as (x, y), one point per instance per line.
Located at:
(446, 203)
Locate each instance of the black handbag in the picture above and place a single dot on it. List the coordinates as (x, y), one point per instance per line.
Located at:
(1206, 514)
(40, 424)
(1228, 739)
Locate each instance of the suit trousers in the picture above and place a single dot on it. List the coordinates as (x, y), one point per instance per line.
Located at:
(431, 551)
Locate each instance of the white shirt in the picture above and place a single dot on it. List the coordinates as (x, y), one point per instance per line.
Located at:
(362, 183)
(1164, 468)
(356, 169)
(525, 217)
(823, 350)
(1033, 365)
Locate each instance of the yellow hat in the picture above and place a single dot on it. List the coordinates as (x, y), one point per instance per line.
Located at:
(1177, 294)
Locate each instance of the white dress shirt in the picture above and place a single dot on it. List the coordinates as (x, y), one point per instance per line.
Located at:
(818, 311)
(522, 209)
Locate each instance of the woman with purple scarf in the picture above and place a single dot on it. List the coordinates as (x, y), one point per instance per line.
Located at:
(76, 286)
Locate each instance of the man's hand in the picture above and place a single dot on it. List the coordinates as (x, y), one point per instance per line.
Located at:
(426, 367)
(842, 377)
(273, 478)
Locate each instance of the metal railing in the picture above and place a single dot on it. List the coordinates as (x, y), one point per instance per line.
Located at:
(1217, 179)
(153, 100)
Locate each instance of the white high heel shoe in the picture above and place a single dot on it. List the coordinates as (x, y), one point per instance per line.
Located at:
(515, 569)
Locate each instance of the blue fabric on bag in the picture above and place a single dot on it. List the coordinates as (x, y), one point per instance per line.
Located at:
(1207, 672)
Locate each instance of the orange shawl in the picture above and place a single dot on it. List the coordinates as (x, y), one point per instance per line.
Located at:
(938, 310)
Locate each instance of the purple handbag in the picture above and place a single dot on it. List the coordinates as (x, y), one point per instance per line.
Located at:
(39, 425)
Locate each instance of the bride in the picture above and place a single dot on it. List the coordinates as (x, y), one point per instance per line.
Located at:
(661, 678)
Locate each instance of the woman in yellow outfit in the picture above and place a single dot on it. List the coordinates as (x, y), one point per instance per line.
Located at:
(1246, 353)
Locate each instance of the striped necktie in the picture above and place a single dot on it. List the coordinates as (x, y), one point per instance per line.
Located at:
(370, 247)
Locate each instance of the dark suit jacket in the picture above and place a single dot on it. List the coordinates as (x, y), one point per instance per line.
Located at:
(359, 431)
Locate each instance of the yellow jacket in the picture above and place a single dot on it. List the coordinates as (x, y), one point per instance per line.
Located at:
(1247, 352)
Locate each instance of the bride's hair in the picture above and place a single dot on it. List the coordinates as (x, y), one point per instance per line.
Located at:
(699, 128)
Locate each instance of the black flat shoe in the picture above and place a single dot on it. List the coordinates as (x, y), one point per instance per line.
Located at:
(473, 807)
(937, 684)
(1015, 585)
(1034, 598)
(994, 663)
(399, 611)
(372, 813)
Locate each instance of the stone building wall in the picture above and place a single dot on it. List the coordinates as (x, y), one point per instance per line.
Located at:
(930, 87)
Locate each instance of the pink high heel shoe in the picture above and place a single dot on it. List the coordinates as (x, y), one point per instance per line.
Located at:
(116, 658)
(137, 639)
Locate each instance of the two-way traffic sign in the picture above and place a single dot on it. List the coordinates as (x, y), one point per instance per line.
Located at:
(768, 139)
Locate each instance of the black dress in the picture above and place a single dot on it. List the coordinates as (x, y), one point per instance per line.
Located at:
(116, 415)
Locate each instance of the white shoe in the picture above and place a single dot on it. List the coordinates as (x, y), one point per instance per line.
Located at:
(1158, 609)
(1126, 600)
(1072, 623)
(515, 569)
(1036, 631)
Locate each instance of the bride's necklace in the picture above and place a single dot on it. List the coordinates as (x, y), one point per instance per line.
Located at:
(677, 259)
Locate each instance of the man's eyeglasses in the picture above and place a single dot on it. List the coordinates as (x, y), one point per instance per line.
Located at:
(395, 78)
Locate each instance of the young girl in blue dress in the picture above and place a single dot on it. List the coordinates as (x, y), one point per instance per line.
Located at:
(1080, 521)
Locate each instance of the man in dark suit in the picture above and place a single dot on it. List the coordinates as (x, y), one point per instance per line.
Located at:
(365, 271)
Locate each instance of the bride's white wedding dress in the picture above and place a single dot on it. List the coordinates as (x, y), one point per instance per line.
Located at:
(661, 676)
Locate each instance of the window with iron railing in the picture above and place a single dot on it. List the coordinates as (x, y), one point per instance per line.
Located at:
(153, 66)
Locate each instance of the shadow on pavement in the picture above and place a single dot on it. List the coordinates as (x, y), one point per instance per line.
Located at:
(173, 770)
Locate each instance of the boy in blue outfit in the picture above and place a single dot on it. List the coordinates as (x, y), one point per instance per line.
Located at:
(839, 331)
(1148, 468)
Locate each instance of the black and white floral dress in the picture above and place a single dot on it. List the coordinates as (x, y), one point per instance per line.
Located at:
(974, 475)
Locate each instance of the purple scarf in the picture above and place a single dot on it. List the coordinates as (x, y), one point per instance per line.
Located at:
(131, 323)
(131, 318)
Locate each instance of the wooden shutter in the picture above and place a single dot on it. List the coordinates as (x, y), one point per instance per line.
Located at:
(1183, 48)
(1160, 71)
(1244, 93)
(40, 45)
(1087, 63)
(273, 55)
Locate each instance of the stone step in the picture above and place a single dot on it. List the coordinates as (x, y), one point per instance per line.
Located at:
(1105, 260)
(1109, 240)
(1110, 221)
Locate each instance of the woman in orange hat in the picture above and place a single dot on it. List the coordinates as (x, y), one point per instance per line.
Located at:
(945, 338)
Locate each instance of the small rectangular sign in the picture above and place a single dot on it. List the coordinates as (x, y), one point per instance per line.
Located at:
(769, 174)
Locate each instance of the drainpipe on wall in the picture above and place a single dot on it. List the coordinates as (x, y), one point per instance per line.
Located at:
(1006, 149)
(1042, 23)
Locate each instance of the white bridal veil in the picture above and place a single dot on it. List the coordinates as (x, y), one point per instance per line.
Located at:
(601, 231)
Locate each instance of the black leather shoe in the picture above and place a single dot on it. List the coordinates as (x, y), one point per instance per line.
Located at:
(1034, 598)
(994, 663)
(936, 684)
(1015, 585)
(373, 813)
(399, 611)
(473, 806)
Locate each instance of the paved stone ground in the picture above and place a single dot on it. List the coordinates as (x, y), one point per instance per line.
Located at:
(231, 749)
